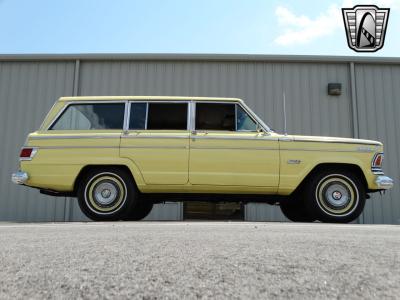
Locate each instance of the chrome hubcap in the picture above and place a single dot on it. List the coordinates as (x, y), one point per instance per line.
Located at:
(105, 193)
(337, 195)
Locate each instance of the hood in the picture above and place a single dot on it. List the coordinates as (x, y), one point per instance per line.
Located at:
(325, 139)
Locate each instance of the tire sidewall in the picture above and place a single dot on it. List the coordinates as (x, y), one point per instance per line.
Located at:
(315, 207)
(129, 200)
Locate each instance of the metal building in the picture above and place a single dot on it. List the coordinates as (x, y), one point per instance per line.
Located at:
(368, 107)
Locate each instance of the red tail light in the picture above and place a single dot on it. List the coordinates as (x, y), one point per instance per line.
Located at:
(27, 153)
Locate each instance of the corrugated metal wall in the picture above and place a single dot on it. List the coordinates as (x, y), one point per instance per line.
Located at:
(32, 87)
(27, 92)
(378, 97)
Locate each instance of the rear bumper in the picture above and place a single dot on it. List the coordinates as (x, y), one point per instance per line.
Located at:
(384, 182)
(19, 177)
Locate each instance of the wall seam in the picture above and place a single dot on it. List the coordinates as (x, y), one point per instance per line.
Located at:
(68, 208)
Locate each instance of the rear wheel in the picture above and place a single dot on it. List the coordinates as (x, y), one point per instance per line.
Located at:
(140, 211)
(336, 196)
(107, 194)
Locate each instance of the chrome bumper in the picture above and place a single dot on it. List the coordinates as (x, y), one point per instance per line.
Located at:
(19, 177)
(384, 182)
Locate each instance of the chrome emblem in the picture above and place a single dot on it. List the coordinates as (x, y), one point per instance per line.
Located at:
(293, 161)
(365, 27)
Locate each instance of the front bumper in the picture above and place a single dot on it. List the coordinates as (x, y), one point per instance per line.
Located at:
(19, 177)
(384, 182)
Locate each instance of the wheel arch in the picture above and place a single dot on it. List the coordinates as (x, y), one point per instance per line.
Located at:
(324, 166)
(91, 167)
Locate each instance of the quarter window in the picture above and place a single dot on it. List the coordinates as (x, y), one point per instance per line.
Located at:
(91, 116)
(137, 118)
(167, 116)
(243, 120)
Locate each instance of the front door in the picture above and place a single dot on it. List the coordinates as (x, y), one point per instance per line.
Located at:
(227, 150)
(158, 141)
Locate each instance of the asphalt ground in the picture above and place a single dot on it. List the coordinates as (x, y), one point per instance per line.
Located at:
(189, 260)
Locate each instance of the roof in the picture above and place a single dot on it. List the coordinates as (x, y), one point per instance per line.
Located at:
(141, 98)
(199, 57)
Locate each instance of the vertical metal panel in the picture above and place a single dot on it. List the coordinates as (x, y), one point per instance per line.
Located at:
(27, 91)
(378, 96)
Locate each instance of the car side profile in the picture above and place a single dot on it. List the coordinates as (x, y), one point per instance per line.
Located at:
(120, 155)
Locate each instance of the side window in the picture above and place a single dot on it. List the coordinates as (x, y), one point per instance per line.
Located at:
(91, 116)
(137, 119)
(164, 116)
(215, 116)
(243, 120)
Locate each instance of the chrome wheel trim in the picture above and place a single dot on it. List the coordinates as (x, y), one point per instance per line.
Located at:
(337, 207)
(99, 180)
(105, 193)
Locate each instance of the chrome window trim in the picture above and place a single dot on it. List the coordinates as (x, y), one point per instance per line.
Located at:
(235, 138)
(68, 103)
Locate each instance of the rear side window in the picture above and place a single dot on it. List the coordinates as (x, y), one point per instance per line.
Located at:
(91, 116)
(167, 116)
(215, 116)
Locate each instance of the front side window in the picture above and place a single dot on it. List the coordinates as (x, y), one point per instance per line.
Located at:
(215, 116)
(167, 116)
(243, 121)
(91, 117)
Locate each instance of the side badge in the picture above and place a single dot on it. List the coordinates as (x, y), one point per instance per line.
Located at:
(293, 161)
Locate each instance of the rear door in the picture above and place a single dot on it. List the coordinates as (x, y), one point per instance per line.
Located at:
(157, 141)
(227, 150)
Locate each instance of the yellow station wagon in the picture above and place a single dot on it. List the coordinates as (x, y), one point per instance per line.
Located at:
(120, 155)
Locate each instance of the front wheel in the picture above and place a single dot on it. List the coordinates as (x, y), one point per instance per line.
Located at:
(107, 194)
(336, 196)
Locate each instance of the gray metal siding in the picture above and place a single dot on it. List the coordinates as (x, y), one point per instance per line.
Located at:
(27, 91)
(378, 97)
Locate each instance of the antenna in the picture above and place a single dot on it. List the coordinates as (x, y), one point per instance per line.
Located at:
(284, 112)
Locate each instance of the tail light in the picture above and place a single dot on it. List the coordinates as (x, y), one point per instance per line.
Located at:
(377, 163)
(27, 153)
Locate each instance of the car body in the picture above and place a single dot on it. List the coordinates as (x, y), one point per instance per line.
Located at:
(188, 145)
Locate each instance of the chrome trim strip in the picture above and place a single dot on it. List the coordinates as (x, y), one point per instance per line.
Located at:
(234, 148)
(255, 138)
(323, 150)
(154, 147)
(330, 141)
(127, 116)
(61, 137)
(147, 115)
(139, 136)
(77, 147)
